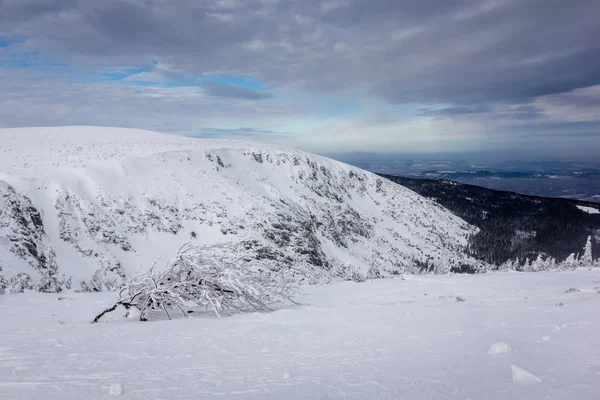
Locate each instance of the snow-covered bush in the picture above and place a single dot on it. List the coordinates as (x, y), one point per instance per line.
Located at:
(109, 278)
(221, 278)
(100, 282)
(537, 265)
(374, 272)
(509, 265)
(569, 262)
(20, 282)
(357, 276)
(346, 271)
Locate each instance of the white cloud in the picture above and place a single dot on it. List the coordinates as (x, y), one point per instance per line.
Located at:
(579, 105)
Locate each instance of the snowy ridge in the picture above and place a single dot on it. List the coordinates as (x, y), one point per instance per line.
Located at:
(111, 200)
(589, 210)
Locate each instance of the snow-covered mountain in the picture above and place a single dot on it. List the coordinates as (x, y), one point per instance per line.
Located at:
(110, 200)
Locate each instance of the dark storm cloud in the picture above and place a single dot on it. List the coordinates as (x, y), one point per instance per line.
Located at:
(455, 52)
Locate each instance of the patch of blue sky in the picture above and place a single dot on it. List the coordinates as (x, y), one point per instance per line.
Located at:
(5, 42)
(27, 61)
(245, 82)
(181, 80)
(13, 56)
(15, 63)
(205, 79)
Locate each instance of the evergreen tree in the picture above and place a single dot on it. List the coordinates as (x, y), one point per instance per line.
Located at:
(3, 282)
(586, 259)
(20, 282)
(538, 264)
(50, 281)
(569, 263)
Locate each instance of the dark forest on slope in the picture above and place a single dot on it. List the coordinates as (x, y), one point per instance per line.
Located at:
(513, 225)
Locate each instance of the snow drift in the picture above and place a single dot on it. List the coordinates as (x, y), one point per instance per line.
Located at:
(108, 201)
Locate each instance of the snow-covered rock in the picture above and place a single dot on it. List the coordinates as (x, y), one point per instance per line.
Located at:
(111, 200)
(519, 375)
(116, 389)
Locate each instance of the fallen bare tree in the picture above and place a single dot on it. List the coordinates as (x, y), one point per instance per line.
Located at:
(221, 278)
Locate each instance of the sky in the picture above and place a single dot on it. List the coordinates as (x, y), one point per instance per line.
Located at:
(385, 76)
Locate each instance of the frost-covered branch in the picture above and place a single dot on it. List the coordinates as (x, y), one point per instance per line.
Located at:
(220, 278)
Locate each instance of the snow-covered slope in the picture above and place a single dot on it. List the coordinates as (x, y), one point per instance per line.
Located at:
(516, 336)
(111, 200)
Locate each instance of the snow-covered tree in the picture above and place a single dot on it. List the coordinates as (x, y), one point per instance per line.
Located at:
(3, 282)
(103, 279)
(51, 281)
(537, 265)
(512, 265)
(517, 264)
(20, 282)
(350, 272)
(221, 278)
(569, 263)
(527, 266)
(586, 259)
(509, 265)
(374, 272)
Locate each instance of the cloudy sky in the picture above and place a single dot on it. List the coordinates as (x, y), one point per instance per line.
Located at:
(324, 76)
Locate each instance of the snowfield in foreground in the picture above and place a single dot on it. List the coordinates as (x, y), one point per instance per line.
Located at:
(515, 336)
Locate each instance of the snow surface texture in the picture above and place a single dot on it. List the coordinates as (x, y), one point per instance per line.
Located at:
(111, 200)
(381, 339)
(499, 348)
(589, 210)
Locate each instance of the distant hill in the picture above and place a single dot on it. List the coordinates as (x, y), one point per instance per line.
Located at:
(514, 225)
(103, 203)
